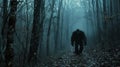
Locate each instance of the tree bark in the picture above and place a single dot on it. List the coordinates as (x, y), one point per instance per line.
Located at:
(4, 28)
(9, 52)
(36, 30)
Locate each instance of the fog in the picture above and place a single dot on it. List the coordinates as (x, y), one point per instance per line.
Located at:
(43, 28)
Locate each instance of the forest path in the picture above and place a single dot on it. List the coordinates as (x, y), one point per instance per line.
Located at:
(92, 57)
(69, 60)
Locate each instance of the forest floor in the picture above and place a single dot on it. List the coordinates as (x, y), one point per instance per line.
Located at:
(92, 57)
(100, 55)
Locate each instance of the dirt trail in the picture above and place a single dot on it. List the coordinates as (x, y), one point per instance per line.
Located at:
(92, 57)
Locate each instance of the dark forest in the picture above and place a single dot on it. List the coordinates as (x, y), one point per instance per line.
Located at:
(37, 33)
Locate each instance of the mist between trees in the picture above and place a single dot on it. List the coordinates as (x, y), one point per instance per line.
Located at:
(34, 29)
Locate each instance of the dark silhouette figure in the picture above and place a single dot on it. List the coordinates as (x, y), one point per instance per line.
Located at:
(78, 39)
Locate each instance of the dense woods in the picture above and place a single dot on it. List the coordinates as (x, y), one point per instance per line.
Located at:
(33, 30)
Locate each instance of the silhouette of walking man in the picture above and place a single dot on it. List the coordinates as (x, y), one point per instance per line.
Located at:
(78, 38)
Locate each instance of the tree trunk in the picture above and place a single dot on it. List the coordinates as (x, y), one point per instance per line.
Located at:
(9, 54)
(4, 29)
(111, 20)
(5, 18)
(98, 21)
(104, 20)
(61, 28)
(57, 33)
(49, 27)
(36, 30)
